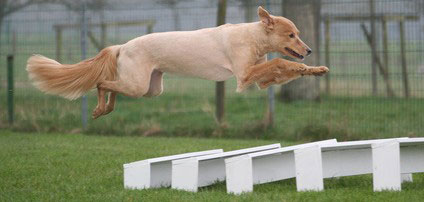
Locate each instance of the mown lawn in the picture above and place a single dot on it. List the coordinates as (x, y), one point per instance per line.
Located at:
(75, 167)
(185, 114)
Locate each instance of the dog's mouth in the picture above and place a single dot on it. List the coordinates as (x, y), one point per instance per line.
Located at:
(294, 53)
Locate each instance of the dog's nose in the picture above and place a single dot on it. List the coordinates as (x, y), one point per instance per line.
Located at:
(309, 52)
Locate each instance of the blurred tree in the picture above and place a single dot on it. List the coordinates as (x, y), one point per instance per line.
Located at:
(76, 5)
(8, 7)
(306, 15)
(420, 6)
(249, 10)
(172, 4)
(97, 6)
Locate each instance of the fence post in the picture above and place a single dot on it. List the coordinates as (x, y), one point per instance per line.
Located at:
(220, 86)
(58, 30)
(373, 46)
(390, 92)
(271, 93)
(83, 56)
(10, 89)
(149, 28)
(403, 58)
(318, 53)
(327, 55)
(103, 35)
(381, 66)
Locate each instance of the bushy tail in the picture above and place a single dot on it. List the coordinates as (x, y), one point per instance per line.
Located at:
(72, 81)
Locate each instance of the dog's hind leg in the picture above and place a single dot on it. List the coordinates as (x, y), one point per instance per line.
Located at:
(132, 88)
(100, 108)
(110, 103)
(156, 84)
(133, 77)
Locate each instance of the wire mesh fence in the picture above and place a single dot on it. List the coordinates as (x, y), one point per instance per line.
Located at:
(366, 94)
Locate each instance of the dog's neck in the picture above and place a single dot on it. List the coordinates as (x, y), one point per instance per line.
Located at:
(260, 37)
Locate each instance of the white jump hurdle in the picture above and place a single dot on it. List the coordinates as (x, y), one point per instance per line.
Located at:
(385, 159)
(155, 172)
(192, 173)
(263, 167)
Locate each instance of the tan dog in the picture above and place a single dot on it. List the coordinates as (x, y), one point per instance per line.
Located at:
(136, 68)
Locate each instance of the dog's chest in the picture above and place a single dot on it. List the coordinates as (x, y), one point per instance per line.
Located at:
(211, 71)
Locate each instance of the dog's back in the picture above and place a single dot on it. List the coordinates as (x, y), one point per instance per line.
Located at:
(201, 53)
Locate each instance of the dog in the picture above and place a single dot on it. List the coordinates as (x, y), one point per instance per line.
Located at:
(136, 68)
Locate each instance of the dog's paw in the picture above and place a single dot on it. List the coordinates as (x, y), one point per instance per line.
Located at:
(97, 112)
(321, 70)
(108, 110)
(266, 83)
(263, 85)
(241, 84)
(240, 88)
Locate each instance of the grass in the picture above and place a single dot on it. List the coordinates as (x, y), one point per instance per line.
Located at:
(183, 114)
(75, 167)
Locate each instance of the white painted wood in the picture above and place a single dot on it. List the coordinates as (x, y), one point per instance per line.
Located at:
(210, 168)
(155, 172)
(240, 168)
(308, 164)
(412, 155)
(386, 165)
(340, 159)
(339, 162)
(269, 168)
(406, 177)
(185, 174)
(265, 166)
(356, 158)
(137, 176)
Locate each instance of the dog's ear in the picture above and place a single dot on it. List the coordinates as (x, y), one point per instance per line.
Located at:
(265, 18)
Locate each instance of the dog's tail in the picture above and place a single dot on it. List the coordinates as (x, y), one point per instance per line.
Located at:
(73, 80)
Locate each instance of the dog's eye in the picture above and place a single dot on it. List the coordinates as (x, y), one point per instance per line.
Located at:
(291, 35)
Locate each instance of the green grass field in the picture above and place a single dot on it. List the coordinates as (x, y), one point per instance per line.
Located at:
(75, 167)
(183, 114)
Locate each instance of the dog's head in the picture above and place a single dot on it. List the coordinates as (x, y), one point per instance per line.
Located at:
(283, 35)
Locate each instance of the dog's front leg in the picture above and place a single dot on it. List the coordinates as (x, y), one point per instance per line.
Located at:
(287, 73)
(270, 70)
(255, 72)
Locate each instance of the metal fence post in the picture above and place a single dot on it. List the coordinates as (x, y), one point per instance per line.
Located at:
(271, 93)
(220, 86)
(327, 55)
(83, 56)
(403, 58)
(58, 31)
(10, 89)
(373, 46)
